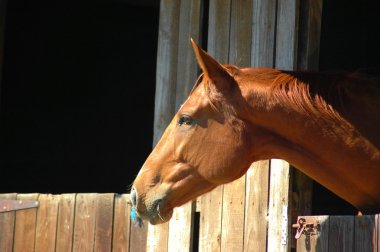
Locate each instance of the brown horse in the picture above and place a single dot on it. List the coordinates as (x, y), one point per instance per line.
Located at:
(325, 124)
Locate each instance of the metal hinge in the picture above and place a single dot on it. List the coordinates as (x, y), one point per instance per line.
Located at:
(7, 205)
(311, 227)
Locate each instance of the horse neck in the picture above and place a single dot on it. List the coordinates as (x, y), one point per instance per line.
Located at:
(312, 140)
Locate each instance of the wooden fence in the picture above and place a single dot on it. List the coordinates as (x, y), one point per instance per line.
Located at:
(101, 222)
(71, 223)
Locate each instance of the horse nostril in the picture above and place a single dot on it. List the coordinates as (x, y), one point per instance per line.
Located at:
(133, 197)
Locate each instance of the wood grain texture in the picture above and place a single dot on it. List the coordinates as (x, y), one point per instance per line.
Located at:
(310, 16)
(47, 216)
(366, 233)
(7, 225)
(263, 33)
(341, 233)
(287, 34)
(279, 190)
(210, 224)
(256, 207)
(189, 27)
(138, 238)
(232, 238)
(84, 226)
(103, 222)
(181, 229)
(25, 226)
(157, 239)
(122, 223)
(241, 33)
(317, 242)
(65, 224)
(219, 30)
(166, 72)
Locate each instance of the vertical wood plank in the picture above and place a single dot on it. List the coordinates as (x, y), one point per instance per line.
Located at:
(166, 72)
(309, 36)
(318, 242)
(181, 229)
(263, 33)
(157, 239)
(122, 223)
(366, 233)
(278, 224)
(341, 233)
(219, 29)
(84, 226)
(256, 208)
(47, 216)
(189, 26)
(210, 220)
(25, 227)
(287, 34)
(138, 238)
(233, 216)
(241, 33)
(7, 225)
(103, 222)
(65, 224)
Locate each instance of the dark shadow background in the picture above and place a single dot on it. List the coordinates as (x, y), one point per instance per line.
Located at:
(77, 97)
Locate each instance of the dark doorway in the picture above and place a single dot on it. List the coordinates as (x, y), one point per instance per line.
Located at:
(350, 42)
(77, 97)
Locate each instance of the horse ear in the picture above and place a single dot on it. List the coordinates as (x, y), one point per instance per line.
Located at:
(213, 69)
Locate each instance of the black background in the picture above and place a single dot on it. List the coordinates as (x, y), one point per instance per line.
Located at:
(77, 95)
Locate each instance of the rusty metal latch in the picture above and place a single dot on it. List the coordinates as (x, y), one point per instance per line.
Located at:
(306, 227)
(7, 205)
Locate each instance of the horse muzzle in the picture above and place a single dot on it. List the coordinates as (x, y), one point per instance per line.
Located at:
(155, 210)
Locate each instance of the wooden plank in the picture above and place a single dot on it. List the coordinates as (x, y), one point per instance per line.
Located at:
(189, 27)
(84, 226)
(103, 222)
(256, 207)
(166, 72)
(25, 226)
(263, 33)
(122, 223)
(278, 224)
(7, 225)
(65, 224)
(138, 238)
(241, 33)
(157, 239)
(317, 242)
(219, 30)
(309, 34)
(210, 221)
(47, 217)
(287, 34)
(341, 233)
(233, 216)
(366, 233)
(181, 228)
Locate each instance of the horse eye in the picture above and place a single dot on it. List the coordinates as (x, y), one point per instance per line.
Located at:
(185, 120)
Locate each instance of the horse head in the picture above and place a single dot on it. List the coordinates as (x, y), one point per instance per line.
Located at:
(205, 145)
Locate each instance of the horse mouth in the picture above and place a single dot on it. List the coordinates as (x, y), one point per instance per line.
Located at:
(157, 213)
